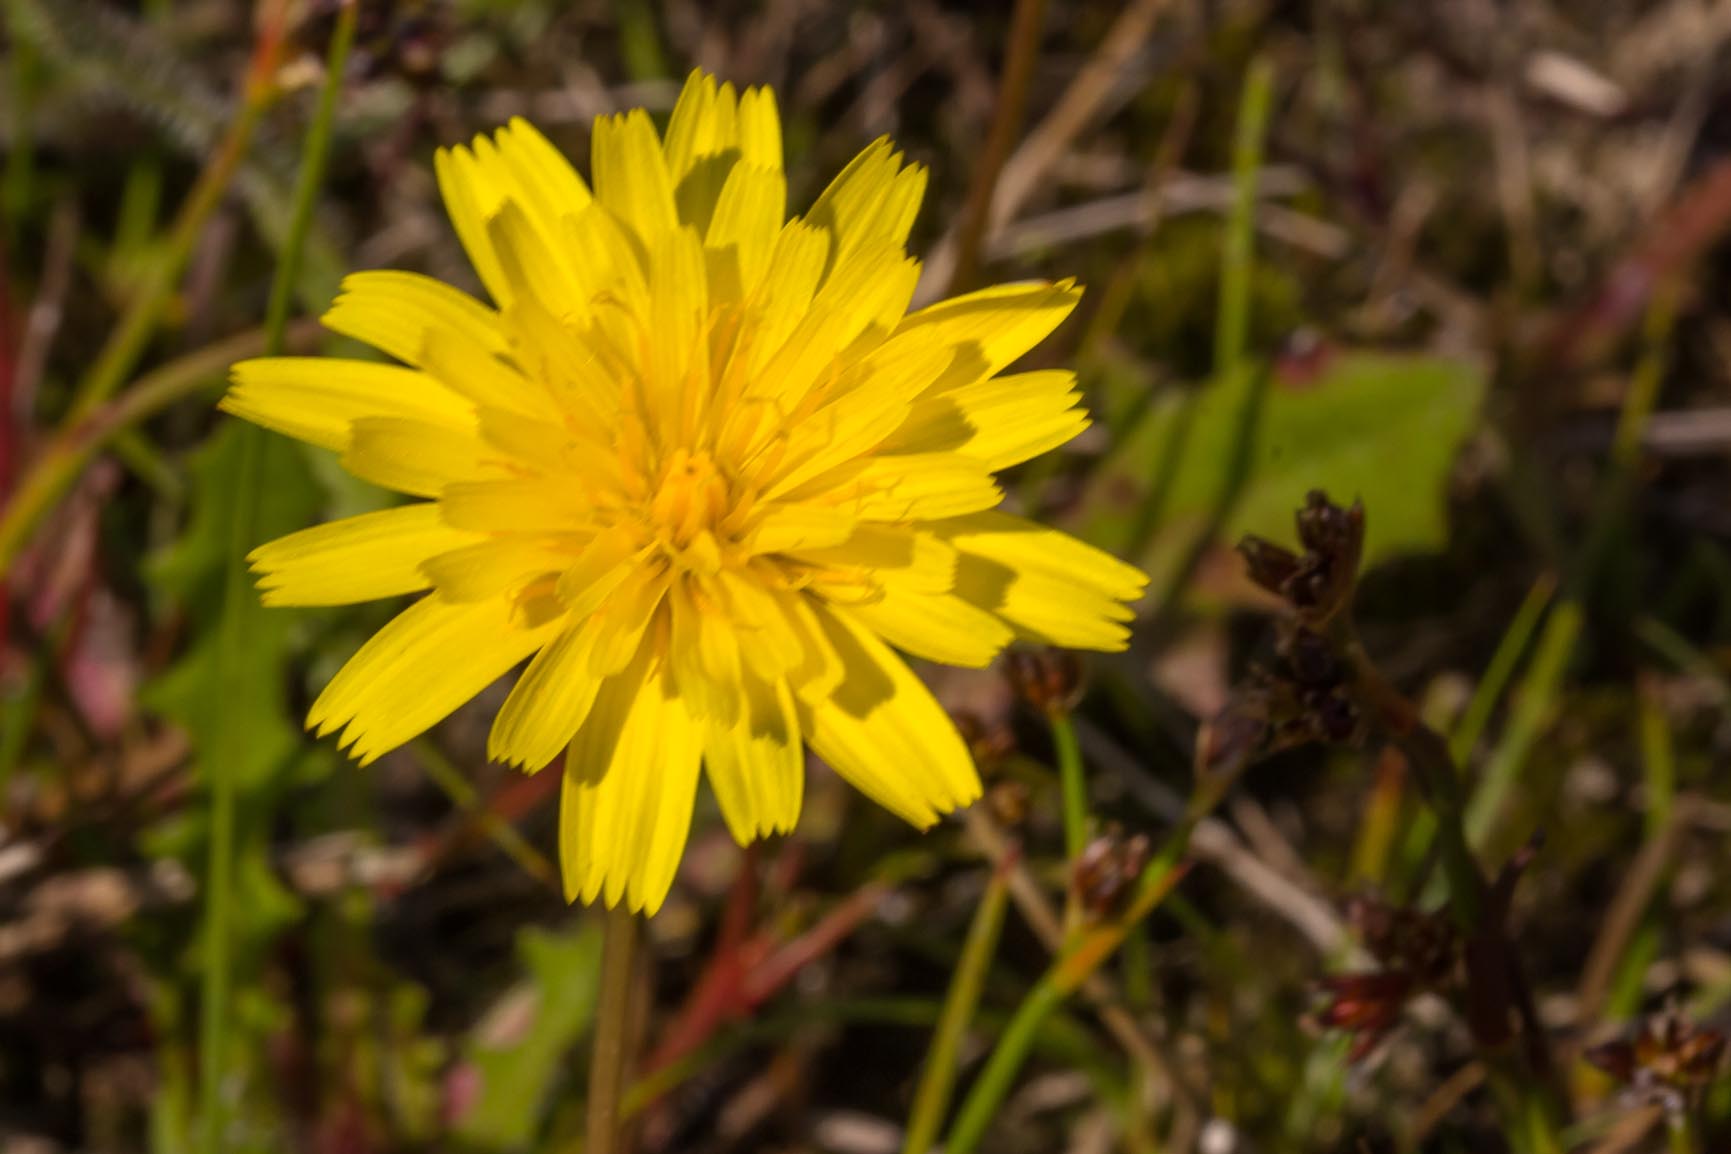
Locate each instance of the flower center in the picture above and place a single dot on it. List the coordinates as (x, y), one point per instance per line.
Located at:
(691, 499)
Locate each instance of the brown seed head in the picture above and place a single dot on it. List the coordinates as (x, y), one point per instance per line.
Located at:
(1048, 679)
(1107, 870)
(1667, 1063)
(990, 743)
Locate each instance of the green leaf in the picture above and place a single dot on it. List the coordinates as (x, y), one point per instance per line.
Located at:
(202, 697)
(191, 573)
(1378, 426)
(517, 1079)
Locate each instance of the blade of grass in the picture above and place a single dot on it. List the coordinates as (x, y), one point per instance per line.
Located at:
(501, 832)
(128, 341)
(1090, 949)
(18, 187)
(1074, 785)
(938, 1078)
(1503, 664)
(215, 995)
(1231, 336)
(1535, 705)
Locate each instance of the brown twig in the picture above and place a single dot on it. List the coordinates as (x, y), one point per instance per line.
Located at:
(1025, 25)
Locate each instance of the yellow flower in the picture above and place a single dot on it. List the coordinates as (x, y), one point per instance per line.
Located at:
(702, 465)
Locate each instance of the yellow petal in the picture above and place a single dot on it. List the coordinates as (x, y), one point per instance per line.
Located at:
(702, 147)
(423, 664)
(630, 784)
(703, 654)
(884, 732)
(936, 626)
(631, 178)
(624, 617)
(529, 259)
(784, 528)
(992, 327)
(469, 199)
(396, 313)
(999, 422)
(548, 703)
(759, 129)
(796, 265)
(676, 365)
(872, 400)
(413, 456)
(911, 558)
(903, 488)
(873, 200)
(356, 559)
(480, 375)
(543, 505)
(318, 399)
(749, 213)
(768, 641)
(607, 561)
(703, 124)
(1047, 585)
(756, 765)
(492, 568)
(541, 179)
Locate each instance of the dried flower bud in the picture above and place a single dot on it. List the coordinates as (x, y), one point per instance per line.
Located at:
(1271, 566)
(1367, 1006)
(1423, 944)
(1048, 679)
(1233, 738)
(1667, 1063)
(1320, 582)
(1009, 801)
(1107, 870)
(990, 744)
(1418, 951)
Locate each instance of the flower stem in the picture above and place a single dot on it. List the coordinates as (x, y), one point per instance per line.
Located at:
(1074, 784)
(993, 1084)
(1533, 1097)
(1680, 1131)
(1083, 954)
(611, 1056)
(932, 1097)
(229, 742)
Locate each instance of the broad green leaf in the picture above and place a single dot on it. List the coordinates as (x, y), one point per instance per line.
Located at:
(516, 1079)
(1383, 427)
(252, 697)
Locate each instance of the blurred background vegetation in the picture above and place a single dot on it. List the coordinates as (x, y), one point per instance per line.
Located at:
(1467, 268)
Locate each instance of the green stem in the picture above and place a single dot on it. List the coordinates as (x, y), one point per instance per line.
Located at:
(1680, 1132)
(932, 1097)
(1074, 784)
(610, 1059)
(994, 1082)
(1249, 383)
(1232, 326)
(229, 743)
(1084, 954)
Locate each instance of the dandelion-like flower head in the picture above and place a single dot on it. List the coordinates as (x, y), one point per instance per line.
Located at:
(701, 466)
